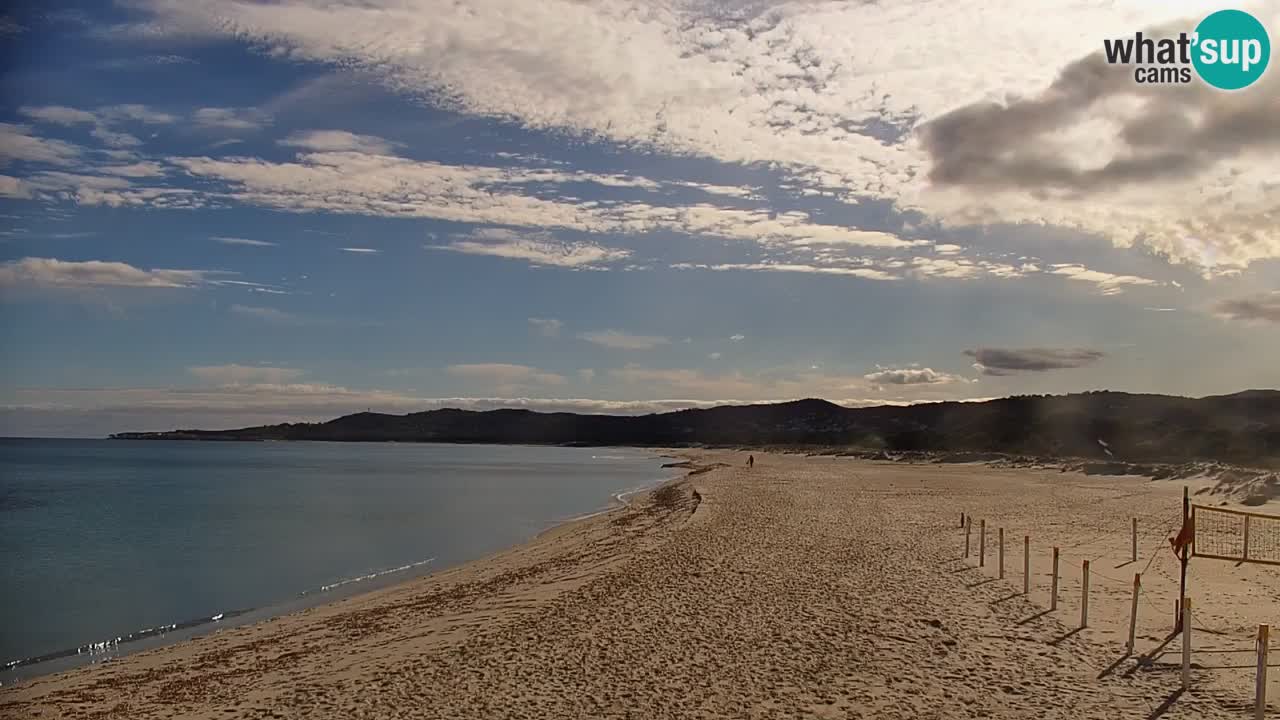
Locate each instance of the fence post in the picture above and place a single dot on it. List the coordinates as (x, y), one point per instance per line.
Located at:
(1084, 595)
(1026, 564)
(968, 527)
(1001, 553)
(982, 543)
(1133, 612)
(961, 521)
(1186, 643)
(1134, 555)
(1260, 701)
(1053, 591)
(1246, 537)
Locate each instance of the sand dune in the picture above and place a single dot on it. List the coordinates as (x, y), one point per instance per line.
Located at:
(805, 587)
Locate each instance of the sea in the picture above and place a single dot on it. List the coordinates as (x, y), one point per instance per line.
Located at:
(113, 546)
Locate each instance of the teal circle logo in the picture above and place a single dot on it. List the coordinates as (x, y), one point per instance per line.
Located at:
(1232, 49)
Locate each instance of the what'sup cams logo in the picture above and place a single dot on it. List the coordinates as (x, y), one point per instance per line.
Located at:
(1229, 50)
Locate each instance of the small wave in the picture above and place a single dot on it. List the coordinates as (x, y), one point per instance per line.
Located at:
(110, 645)
(611, 457)
(371, 576)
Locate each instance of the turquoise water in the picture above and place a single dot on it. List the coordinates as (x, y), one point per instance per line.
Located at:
(102, 539)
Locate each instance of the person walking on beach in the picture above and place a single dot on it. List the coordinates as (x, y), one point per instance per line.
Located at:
(751, 461)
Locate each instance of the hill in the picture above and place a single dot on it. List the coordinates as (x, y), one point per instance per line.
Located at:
(1239, 428)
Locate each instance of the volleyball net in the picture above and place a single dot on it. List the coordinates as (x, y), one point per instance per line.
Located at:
(1237, 535)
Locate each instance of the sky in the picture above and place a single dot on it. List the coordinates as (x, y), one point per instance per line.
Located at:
(220, 213)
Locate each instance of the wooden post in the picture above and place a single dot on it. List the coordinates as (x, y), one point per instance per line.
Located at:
(1246, 537)
(1134, 555)
(1133, 612)
(968, 527)
(1026, 564)
(1053, 588)
(1186, 643)
(961, 521)
(982, 543)
(1260, 701)
(1001, 553)
(1084, 595)
(1186, 553)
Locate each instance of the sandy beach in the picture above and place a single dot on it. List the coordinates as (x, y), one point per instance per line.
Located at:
(821, 587)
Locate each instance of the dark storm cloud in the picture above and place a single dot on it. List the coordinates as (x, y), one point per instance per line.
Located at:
(1180, 130)
(1007, 361)
(1259, 307)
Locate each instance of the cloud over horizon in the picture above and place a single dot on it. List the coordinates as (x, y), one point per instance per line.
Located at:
(618, 340)
(998, 362)
(1265, 306)
(621, 201)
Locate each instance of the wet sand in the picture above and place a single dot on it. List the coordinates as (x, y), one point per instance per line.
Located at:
(803, 587)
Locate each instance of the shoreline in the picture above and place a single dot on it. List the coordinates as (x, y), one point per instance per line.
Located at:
(17, 672)
(566, 535)
(803, 587)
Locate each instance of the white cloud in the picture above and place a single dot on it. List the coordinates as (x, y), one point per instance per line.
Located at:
(348, 182)
(103, 120)
(619, 340)
(17, 143)
(860, 272)
(59, 115)
(12, 187)
(340, 140)
(507, 377)
(548, 327)
(714, 356)
(227, 118)
(241, 241)
(910, 376)
(738, 337)
(110, 190)
(784, 84)
(832, 235)
(234, 374)
(1107, 283)
(268, 315)
(387, 186)
(733, 191)
(361, 250)
(114, 138)
(143, 61)
(135, 170)
(138, 113)
(781, 384)
(534, 248)
(51, 272)
(963, 268)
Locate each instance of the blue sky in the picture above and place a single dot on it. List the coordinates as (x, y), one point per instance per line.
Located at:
(216, 213)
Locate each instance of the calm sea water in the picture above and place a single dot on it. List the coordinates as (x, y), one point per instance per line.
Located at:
(101, 539)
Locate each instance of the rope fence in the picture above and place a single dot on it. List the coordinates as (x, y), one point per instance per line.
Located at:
(1202, 532)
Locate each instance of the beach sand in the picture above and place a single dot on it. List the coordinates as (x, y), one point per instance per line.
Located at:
(804, 587)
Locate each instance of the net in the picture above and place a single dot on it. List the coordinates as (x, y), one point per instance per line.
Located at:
(1235, 535)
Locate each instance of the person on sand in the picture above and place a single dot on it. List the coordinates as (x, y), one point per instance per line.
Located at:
(751, 461)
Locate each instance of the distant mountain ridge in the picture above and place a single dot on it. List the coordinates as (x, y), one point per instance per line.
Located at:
(1242, 428)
